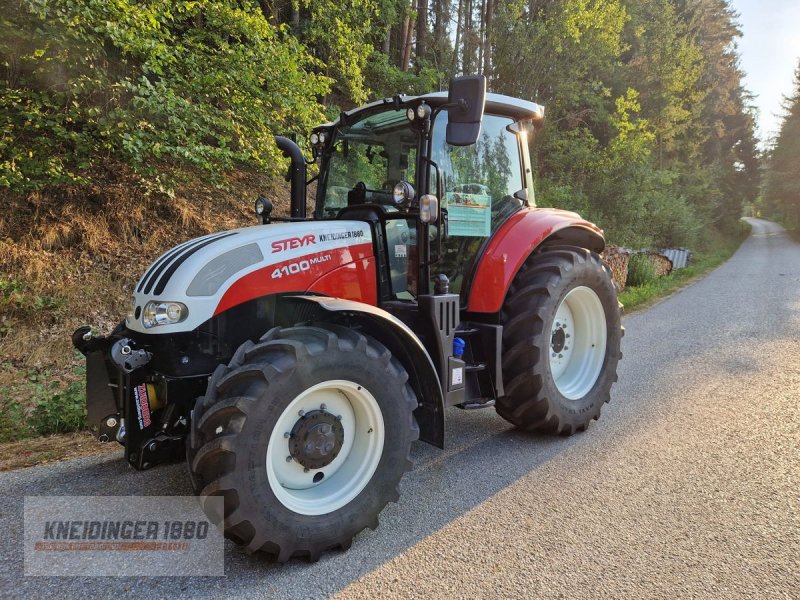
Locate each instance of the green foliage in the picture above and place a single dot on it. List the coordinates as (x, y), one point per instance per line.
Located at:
(781, 193)
(666, 65)
(13, 421)
(385, 79)
(339, 34)
(634, 138)
(193, 83)
(17, 300)
(641, 270)
(557, 52)
(616, 183)
(362, 162)
(725, 173)
(59, 411)
(648, 130)
(56, 407)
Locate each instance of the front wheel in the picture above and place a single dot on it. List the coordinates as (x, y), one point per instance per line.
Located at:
(561, 341)
(306, 436)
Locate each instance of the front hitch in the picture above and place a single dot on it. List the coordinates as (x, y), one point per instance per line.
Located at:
(129, 399)
(103, 414)
(127, 358)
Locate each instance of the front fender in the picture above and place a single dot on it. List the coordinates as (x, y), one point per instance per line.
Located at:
(401, 342)
(514, 241)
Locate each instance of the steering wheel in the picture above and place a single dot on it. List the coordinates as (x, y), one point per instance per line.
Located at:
(505, 207)
(359, 193)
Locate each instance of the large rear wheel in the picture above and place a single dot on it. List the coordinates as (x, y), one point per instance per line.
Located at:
(306, 436)
(561, 341)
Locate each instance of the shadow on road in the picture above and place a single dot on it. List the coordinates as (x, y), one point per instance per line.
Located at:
(484, 455)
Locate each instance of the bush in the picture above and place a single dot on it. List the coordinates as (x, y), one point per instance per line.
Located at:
(50, 406)
(61, 411)
(13, 422)
(194, 83)
(641, 270)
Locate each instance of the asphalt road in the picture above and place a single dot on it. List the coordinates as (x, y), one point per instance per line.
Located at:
(687, 486)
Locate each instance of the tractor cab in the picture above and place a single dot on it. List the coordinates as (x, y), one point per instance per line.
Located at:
(444, 168)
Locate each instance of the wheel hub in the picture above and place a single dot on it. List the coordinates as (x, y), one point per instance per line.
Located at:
(316, 439)
(578, 342)
(558, 340)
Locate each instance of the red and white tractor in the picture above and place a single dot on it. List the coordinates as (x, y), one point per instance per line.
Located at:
(294, 362)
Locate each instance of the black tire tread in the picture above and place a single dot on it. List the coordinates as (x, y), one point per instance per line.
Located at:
(234, 388)
(523, 315)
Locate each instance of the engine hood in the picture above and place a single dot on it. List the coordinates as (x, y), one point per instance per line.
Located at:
(212, 273)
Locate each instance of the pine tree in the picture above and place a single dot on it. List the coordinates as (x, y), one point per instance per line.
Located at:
(782, 183)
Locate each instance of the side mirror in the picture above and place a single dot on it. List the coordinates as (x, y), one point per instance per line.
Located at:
(465, 102)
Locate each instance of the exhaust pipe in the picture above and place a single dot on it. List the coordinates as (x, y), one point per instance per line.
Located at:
(297, 175)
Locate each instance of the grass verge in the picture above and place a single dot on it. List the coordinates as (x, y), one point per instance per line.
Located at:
(52, 448)
(641, 296)
(39, 402)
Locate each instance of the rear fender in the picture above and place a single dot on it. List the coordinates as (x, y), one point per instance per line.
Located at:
(513, 242)
(397, 337)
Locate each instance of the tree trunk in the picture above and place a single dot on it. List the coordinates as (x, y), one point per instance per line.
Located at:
(403, 37)
(387, 41)
(441, 10)
(422, 26)
(487, 40)
(466, 64)
(266, 9)
(407, 46)
(481, 33)
(456, 47)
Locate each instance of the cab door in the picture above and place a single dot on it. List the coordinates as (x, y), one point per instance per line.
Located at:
(481, 186)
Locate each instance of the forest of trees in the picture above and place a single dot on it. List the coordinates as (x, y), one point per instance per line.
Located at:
(649, 131)
(781, 191)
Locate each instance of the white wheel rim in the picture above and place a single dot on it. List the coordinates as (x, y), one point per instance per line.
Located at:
(352, 468)
(578, 343)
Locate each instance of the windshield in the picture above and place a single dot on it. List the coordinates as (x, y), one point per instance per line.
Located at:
(367, 159)
(478, 186)
(478, 181)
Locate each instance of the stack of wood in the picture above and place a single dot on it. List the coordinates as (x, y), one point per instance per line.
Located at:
(617, 260)
(662, 264)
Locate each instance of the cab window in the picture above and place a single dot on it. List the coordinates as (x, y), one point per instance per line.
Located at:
(367, 159)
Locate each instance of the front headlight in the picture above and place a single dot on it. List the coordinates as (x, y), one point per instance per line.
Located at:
(163, 313)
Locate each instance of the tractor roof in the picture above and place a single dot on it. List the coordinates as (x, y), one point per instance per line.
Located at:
(497, 104)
